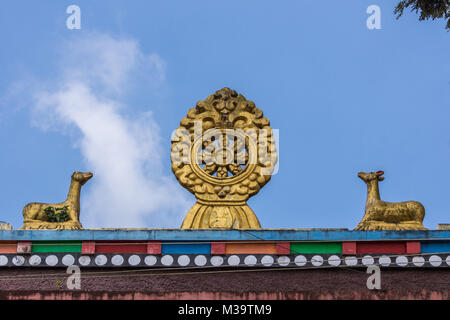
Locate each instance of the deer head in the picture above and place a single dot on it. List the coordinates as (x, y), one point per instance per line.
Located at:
(367, 177)
(82, 177)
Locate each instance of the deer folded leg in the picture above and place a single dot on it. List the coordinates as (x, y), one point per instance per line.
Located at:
(44, 225)
(376, 225)
(382, 225)
(32, 224)
(411, 225)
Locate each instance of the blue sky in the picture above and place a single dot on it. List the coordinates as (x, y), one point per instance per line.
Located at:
(107, 97)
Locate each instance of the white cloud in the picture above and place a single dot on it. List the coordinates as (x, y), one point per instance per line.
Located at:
(110, 66)
(129, 188)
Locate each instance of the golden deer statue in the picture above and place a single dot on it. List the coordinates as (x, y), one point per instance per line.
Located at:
(381, 215)
(64, 215)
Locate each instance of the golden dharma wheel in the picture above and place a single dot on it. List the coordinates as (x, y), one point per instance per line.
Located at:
(223, 152)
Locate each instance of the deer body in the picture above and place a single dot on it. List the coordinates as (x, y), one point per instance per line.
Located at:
(35, 217)
(382, 215)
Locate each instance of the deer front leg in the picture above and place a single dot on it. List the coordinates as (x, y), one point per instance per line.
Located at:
(369, 214)
(369, 220)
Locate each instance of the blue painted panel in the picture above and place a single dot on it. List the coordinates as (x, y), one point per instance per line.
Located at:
(209, 235)
(435, 246)
(177, 248)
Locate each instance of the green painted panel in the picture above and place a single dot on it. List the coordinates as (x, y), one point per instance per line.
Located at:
(316, 247)
(56, 246)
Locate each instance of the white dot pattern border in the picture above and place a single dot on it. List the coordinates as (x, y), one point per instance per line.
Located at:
(231, 260)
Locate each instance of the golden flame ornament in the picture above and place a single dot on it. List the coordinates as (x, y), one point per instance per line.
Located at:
(223, 152)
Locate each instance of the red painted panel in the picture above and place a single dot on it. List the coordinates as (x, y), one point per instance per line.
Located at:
(24, 247)
(8, 246)
(413, 247)
(283, 247)
(218, 248)
(121, 246)
(348, 247)
(88, 247)
(153, 247)
(397, 247)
